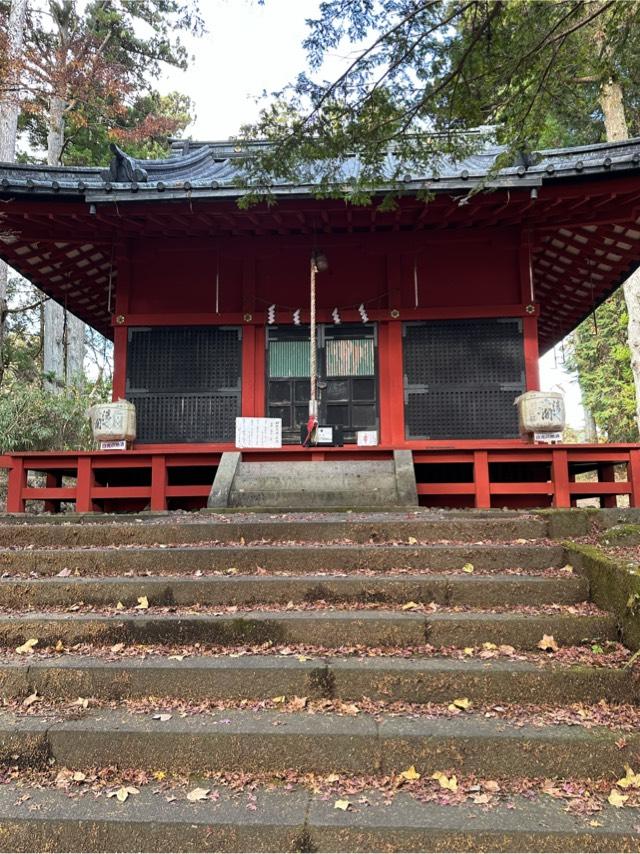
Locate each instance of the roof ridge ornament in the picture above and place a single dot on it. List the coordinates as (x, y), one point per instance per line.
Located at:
(123, 168)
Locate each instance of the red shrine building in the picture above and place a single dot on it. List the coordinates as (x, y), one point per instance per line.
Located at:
(431, 318)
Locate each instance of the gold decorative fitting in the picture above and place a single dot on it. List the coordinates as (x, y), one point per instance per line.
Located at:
(394, 313)
(120, 319)
(530, 309)
(248, 318)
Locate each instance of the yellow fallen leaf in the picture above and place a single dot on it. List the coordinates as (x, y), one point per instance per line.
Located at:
(630, 780)
(616, 799)
(468, 567)
(332, 778)
(489, 645)
(81, 701)
(412, 541)
(410, 773)
(468, 650)
(462, 703)
(143, 603)
(119, 606)
(548, 644)
(410, 606)
(304, 658)
(159, 775)
(342, 805)
(30, 700)
(198, 794)
(595, 823)
(59, 646)
(232, 571)
(450, 783)
(566, 568)
(27, 646)
(280, 699)
(117, 647)
(79, 777)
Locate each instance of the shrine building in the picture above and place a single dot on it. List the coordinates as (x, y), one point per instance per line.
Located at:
(431, 318)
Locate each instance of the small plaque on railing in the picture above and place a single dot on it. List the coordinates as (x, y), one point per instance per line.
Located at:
(120, 445)
(258, 432)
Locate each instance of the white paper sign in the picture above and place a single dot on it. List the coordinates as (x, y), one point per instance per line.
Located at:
(548, 438)
(367, 437)
(120, 445)
(324, 435)
(258, 432)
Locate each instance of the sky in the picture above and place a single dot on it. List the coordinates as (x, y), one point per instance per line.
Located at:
(251, 48)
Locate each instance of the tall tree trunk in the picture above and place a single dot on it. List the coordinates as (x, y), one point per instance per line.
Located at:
(9, 109)
(615, 122)
(63, 351)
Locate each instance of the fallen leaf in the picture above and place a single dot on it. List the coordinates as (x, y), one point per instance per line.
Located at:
(548, 644)
(117, 647)
(332, 778)
(630, 780)
(489, 645)
(64, 573)
(297, 704)
(410, 606)
(412, 541)
(468, 567)
(119, 606)
(30, 700)
(123, 793)
(159, 775)
(566, 568)
(342, 805)
(279, 700)
(491, 786)
(481, 799)
(79, 777)
(162, 717)
(595, 823)
(176, 657)
(143, 603)
(59, 646)
(410, 773)
(81, 701)
(232, 571)
(27, 646)
(462, 703)
(468, 650)
(450, 783)
(198, 795)
(616, 799)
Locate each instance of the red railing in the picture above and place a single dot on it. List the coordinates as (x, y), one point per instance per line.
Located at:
(464, 474)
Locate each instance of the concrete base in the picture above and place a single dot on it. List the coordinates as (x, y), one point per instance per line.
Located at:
(315, 485)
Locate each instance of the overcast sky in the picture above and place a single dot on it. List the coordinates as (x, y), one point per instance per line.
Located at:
(251, 48)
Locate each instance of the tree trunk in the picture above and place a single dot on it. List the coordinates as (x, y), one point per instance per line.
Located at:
(9, 109)
(615, 122)
(590, 429)
(63, 351)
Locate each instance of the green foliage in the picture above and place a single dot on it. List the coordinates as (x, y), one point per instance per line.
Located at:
(34, 419)
(601, 358)
(426, 72)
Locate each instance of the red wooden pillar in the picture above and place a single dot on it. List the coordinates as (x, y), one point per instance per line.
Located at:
(607, 474)
(120, 331)
(52, 480)
(560, 478)
(248, 369)
(16, 485)
(633, 474)
(158, 482)
(531, 353)
(84, 485)
(259, 374)
(481, 479)
(393, 403)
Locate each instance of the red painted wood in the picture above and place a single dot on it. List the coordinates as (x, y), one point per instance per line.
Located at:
(158, 482)
(259, 373)
(49, 494)
(394, 403)
(84, 486)
(531, 353)
(119, 363)
(248, 370)
(53, 480)
(560, 477)
(599, 488)
(16, 486)
(481, 478)
(633, 473)
(446, 489)
(544, 488)
(607, 473)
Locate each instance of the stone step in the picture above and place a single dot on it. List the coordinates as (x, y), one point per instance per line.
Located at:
(319, 627)
(251, 527)
(298, 558)
(254, 677)
(463, 589)
(234, 740)
(300, 821)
